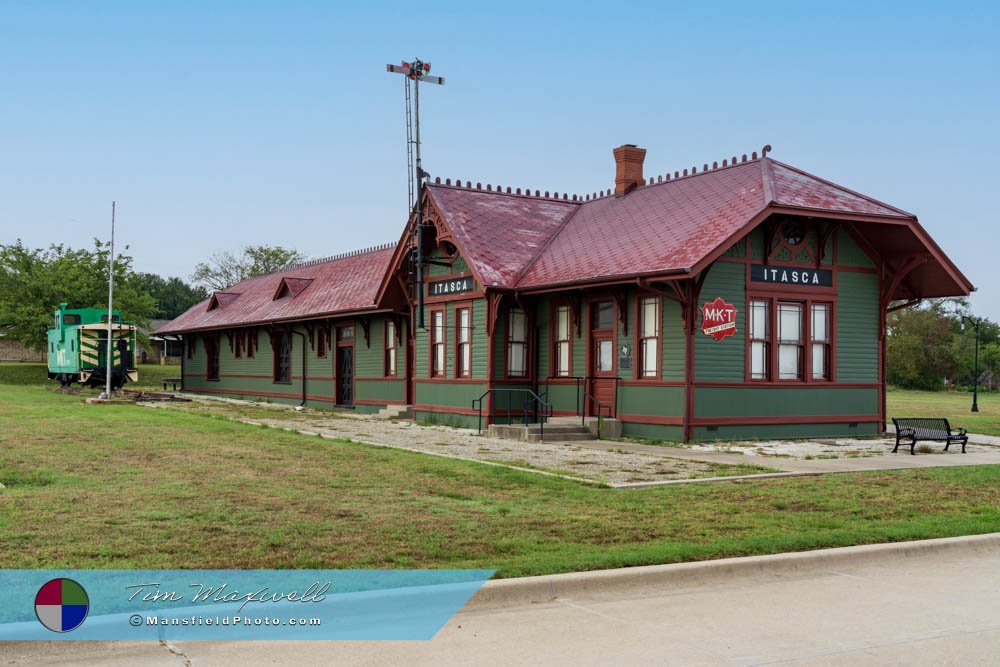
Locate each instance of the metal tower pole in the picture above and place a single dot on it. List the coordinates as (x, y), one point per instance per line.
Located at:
(417, 71)
(111, 291)
(420, 207)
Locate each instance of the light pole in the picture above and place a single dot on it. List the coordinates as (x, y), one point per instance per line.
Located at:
(975, 378)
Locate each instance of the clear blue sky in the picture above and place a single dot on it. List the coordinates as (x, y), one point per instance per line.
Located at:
(217, 125)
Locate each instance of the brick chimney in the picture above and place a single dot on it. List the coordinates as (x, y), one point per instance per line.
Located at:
(628, 168)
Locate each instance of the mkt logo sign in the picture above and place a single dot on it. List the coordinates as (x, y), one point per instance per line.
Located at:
(718, 319)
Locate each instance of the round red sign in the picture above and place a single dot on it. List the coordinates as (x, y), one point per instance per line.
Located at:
(718, 319)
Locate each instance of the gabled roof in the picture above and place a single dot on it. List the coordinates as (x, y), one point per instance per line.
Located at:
(221, 299)
(672, 226)
(499, 234)
(337, 286)
(291, 286)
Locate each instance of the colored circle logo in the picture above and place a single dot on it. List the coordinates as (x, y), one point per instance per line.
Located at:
(61, 605)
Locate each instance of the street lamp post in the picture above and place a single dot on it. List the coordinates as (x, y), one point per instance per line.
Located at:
(975, 378)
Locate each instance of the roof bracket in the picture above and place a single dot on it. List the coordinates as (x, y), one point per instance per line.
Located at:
(366, 330)
(621, 299)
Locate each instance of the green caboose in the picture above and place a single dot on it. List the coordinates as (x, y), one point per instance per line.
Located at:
(78, 348)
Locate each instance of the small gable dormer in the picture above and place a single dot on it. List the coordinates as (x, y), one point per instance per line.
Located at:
(291, 287)
(222, 299)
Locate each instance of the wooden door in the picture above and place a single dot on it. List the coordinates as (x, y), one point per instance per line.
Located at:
(345, 375)
(345, 366)
(603, 367)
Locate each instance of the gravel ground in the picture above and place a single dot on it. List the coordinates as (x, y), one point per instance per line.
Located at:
(563, 458)
(833, 448)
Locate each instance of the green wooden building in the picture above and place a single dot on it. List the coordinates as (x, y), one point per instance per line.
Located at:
(742, 299)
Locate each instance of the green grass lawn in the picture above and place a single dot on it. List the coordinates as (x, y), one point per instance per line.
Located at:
(124, 486)
(953, 405)
(150, 375)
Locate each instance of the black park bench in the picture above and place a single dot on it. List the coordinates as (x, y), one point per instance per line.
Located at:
(913, 429)
(171, 381)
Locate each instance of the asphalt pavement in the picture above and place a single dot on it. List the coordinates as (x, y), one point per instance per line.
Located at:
(930, 603)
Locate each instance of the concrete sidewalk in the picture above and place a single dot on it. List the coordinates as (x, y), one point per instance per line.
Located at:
(934, 602)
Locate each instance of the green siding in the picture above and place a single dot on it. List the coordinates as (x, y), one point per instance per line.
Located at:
(448, 394)
(723, 361)
(654, 432)
(849, 253)
(857, 327)
(673, 341)
(320, 381)
(781, 401)
(756, 240)
(446, 419)
(782, 431)
(656, 401)
(631, 303)
(389, 391)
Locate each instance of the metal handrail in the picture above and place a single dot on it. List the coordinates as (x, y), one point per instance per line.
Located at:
(533, 406)
(578, 381)
(600, 405)
(606, 377)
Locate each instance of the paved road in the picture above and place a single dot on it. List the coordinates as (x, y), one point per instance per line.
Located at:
(910, 609)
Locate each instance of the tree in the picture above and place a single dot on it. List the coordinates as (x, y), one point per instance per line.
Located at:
(173, 296)
(33, 282)
(920, 347)
(225, 269)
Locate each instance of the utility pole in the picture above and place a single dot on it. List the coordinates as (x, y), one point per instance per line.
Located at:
(416, 71)
(975, 378)
(111, 292)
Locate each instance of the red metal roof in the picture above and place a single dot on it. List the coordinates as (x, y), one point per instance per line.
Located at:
(654, 229)
(339, 285)
(671, 226)
(514, 241)
(793, 187)
(499, 234)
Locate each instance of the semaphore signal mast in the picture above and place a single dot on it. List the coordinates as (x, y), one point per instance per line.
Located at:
(415, 71)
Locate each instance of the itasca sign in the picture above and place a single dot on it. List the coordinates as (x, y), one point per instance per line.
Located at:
(791, 276)
(454, 286)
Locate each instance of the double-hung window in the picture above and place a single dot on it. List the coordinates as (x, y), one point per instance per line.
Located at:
(649, 340)
(321, 342)
(561, 345)
(820, 336)
(760, 325)
(390, 348)
(517, 343)
(790, 341)
(463, 347)
(437, 343)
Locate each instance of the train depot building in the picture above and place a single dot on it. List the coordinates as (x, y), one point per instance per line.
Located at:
(738, 300)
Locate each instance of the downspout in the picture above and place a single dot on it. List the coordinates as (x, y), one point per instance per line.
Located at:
(184, 344)
(303, 337)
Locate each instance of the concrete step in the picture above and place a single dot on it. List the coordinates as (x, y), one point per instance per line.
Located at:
(560, 437)
(535, 432)
(556, 428)
(396, 412)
